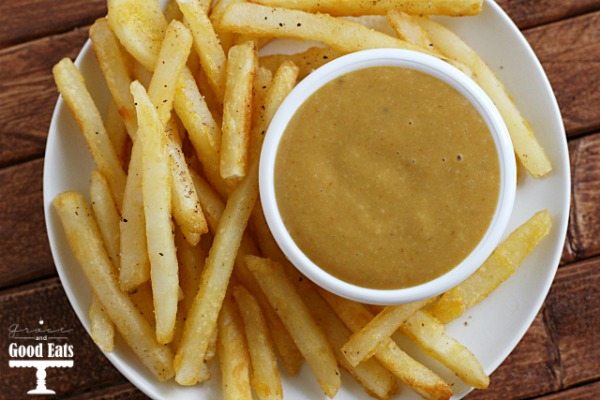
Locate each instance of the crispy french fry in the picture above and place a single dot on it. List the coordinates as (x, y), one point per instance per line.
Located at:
(233, 354)
(135, 264)
(141, 297)
(264, 378)
(117, 133)
(499, 266)
(186, 206)
(107, 216)
(424, 381)
(237, 107)
(262, 81)
(381, 7)
(340, 34)
(156, 184)
(140, 26)
(307, 61)
(215, 277)
(408, 28)
(370, 374)
(102, 329)
(71, 86)
(283, 82)
(429, 334)
(206, 43)
(84, 238)
(364, 343)
(115, 71)
(227, 38)
(527, 148)
(172, 58)
(295, 316)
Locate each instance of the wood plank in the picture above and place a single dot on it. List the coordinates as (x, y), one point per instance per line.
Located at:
(30, 19)
(585, 392)
(570, 53)
(530, 13)
(23, 241)
(46, 301)
(572, 310)
(120, 392)
(534, 361)
(28, 94)
(584, 226)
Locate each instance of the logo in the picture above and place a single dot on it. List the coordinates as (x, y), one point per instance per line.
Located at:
(51, 351)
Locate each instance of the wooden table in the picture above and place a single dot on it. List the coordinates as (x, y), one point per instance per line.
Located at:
(559, 357)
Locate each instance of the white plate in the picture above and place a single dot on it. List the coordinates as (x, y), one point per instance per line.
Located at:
(493, 328)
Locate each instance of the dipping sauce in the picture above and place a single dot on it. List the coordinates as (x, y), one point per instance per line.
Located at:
(387, 177)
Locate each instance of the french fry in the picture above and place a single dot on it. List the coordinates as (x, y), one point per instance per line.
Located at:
(420, 378)
(206, 43)
(527, 148)
(172, 58)
(156, 188)
(307, 61)
(215, 277)
(283, 82)
(84, 239)
(370, 374)
(262, 81)
(140, 26)
(186, 206)
(364, 343)
(115, 71)
(429, 334)
(381, 7)
(141, 74)
(233, 354)
(340, 34)
(135, 264)
(297, 319)
(237, 107)
(117, 133)
(264, 378)
(102, 329)
(141, 297)
(227, 38)
(499, 266)
(172, 11)
(107, 216)
(71, 86)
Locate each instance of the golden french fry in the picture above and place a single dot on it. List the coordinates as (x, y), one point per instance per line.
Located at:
(216, 13)
(107, 216)
(237, 109)
(499, 266)
(265, 379)
(156, 189)
(115, 71)
(172, 58)
(141, 74)
(84, 239)
(340, 34)
(117, 133)
(141, 297)
(135, 264)
(409, 29)
(262, 81)
(381, 7)
(370, 374)
(364, 343)
(140, 26)
(429, 334)
(307, 61)
(102, 329)
(233, 354)
(206, 43)
(202, 318)
(71, 86)
(420, 378)
(297, 319)
(527, 148)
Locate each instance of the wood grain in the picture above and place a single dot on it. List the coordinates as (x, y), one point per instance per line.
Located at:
(529, 13)
(572, 310)
(587, 392)
(535, 361)
(28, 94)
(584, 227)
(46, 301)
(570, 53)
(24, 20)
(120, 392)
(23, 242)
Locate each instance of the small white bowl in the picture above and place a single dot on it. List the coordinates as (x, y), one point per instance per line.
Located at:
(429, 65)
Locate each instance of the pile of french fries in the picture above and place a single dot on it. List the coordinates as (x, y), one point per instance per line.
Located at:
(175, 245)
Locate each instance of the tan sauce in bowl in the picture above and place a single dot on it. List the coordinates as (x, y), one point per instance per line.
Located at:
(387, 177)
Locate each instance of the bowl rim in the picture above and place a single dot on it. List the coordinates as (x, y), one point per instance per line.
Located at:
(434, 67)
